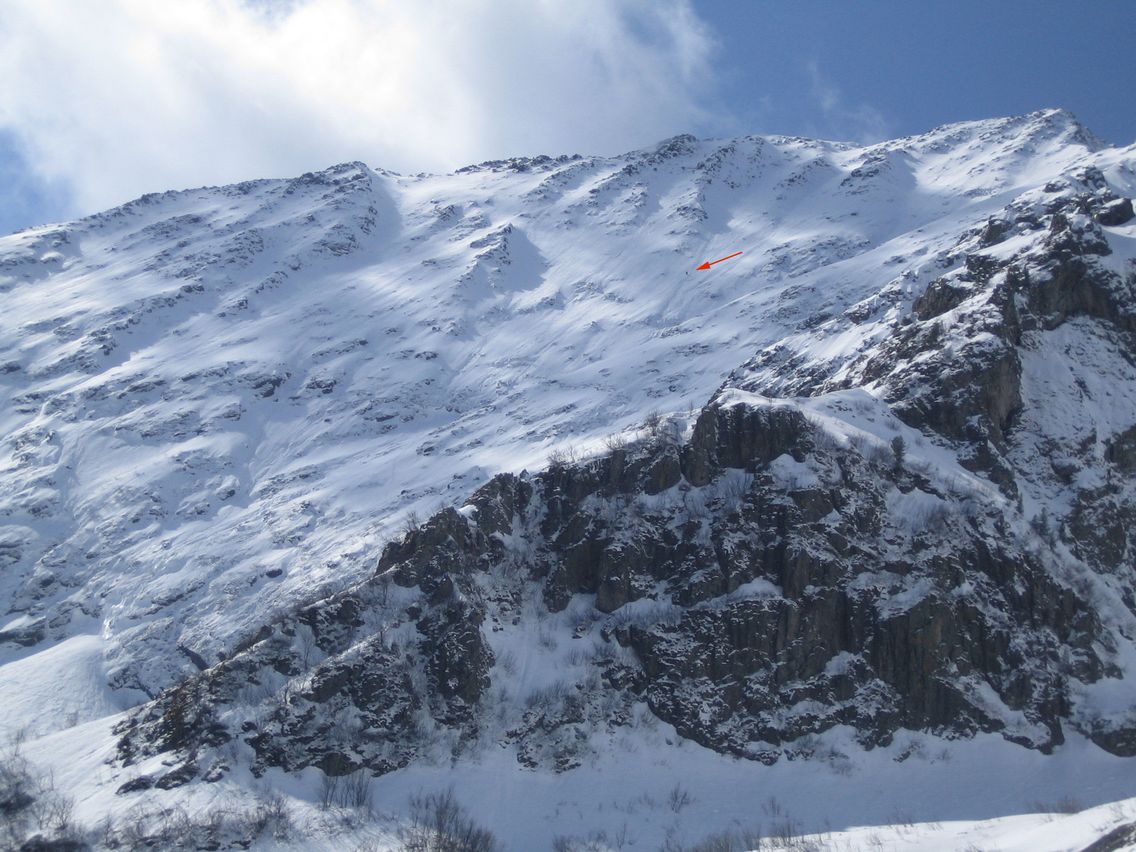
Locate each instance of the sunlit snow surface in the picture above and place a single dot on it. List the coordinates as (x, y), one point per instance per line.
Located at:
(218, 402)
(920, 793)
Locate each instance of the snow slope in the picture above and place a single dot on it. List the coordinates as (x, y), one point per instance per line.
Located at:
(217, 403)
(919, 793)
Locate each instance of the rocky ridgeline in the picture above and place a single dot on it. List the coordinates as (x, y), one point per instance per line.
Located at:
(954, 366)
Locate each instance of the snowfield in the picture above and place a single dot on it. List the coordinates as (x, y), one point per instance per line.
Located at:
(651, 787)
(218, 404)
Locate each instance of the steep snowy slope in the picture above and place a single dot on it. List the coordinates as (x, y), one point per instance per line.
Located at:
(217, 400)
(219, 404)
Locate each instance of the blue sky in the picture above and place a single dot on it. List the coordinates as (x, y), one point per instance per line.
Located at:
(915, 65)
(103, 102)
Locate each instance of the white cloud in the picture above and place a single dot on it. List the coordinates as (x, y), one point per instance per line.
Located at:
(119, 97)
(859, 122)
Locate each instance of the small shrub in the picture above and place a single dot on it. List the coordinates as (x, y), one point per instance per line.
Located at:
(899, 451)
(273, 815)
(439, 823)
(346, 791)
(330, 790)
(730, 841)
(596, 841)
(146, 827)
(678, 798)
(358, 790)
(773, 807)
(1043, 527)
(1064, 805)
(581, 655)
(508, 662)
(878, 454)
(30, 806)
(547, 696)
(547, 639)
(615, 443)
(560, 459)
(785, 832)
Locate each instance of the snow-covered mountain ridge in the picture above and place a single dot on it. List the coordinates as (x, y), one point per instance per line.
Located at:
(221, 403)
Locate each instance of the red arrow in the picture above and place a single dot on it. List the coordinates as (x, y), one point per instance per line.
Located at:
(710, 263)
